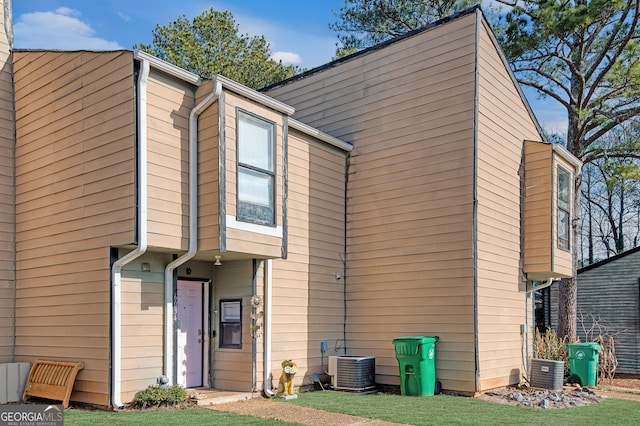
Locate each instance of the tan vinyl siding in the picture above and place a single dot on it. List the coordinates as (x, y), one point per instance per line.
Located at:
(75, 174)
(542, 258)
(142, 315)
(169, 102)
(208, 173)
(7, 199)
(237, 240)
(563, 258)
(408, 109)
(233, 368)
(305, 284)
(503, 124)
(538, 208)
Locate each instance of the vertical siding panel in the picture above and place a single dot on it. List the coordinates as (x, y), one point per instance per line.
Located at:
(504, 124)
(305, 284)
(542, 257)
(408, 109)
(142, 324)
(7, 199)
(169, 104)
(538, 212)
(75, 173)
(233, 368)
(208, 169)
(241, 241)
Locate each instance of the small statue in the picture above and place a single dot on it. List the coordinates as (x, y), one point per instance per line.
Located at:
(285, 385)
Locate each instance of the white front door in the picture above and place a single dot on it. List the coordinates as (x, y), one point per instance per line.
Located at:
(190, 334)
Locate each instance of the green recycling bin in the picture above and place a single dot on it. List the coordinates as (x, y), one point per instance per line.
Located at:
(583, 361)
(416, 357)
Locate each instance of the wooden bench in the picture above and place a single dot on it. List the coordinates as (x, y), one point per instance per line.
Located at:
(52, 380)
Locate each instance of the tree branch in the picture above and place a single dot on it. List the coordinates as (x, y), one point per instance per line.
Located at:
(605, 52)
(541, 88)
(615, 118)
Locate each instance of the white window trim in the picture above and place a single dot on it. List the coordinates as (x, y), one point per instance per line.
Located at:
(271, 231)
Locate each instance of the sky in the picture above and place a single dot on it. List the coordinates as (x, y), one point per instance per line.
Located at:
(297, 30)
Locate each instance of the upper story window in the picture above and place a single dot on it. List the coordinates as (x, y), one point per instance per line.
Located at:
(256, 169)
(564, 207)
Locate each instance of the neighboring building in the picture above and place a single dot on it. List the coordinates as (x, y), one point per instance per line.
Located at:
(170, 225)
(609, 299)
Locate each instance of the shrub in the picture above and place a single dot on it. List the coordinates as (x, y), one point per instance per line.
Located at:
(156, 396)
(600, 333)
(550, 346)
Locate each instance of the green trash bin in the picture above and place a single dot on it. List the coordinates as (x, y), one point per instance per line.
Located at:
(583, 361)
(416, 357)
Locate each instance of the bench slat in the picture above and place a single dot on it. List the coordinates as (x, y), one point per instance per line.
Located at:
(52, 380)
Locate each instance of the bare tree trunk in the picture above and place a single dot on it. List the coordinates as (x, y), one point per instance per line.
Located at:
(568, 288)
(590, 214)
(567, 314)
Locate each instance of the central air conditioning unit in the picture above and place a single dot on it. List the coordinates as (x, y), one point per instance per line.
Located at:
(546, 374)
(351, 372)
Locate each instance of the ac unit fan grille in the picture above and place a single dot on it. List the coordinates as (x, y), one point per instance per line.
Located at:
(355, 373)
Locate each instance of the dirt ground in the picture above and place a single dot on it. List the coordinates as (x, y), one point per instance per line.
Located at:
(280, 410)
(623, 386)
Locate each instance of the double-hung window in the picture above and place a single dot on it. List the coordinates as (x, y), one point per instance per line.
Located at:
(564, 207)
(231, 323)
(256, 169)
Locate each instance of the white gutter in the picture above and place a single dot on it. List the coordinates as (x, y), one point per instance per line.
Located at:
(531, 288)
(311, 131)
(168, 68)
(193, 229)
(116, 295)
(254, 95)
(268, 280)
(567, 156)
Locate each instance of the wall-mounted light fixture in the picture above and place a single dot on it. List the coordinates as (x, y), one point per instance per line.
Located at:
(146, 267)
(218, 263)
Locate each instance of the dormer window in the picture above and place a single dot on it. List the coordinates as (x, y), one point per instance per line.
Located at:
(564, 208)
(256, 169)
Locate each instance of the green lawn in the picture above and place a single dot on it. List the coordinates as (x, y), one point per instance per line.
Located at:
(433, 410)
(456, 410)
(190, 417)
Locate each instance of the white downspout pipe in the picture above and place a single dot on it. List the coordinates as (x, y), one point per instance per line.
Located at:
(528, 296)
(116, 291)
(193, 229)
(268, 281)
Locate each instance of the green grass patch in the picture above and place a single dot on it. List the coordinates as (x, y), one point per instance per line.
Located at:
(432, 410)
(457, 410)
(190, 417)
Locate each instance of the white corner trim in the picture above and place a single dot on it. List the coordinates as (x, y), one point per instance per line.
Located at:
(233, 223)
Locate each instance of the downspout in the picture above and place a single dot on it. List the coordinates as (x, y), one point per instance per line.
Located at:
(116, 270)
(193, 228)
(268, 281)
(528, 297)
